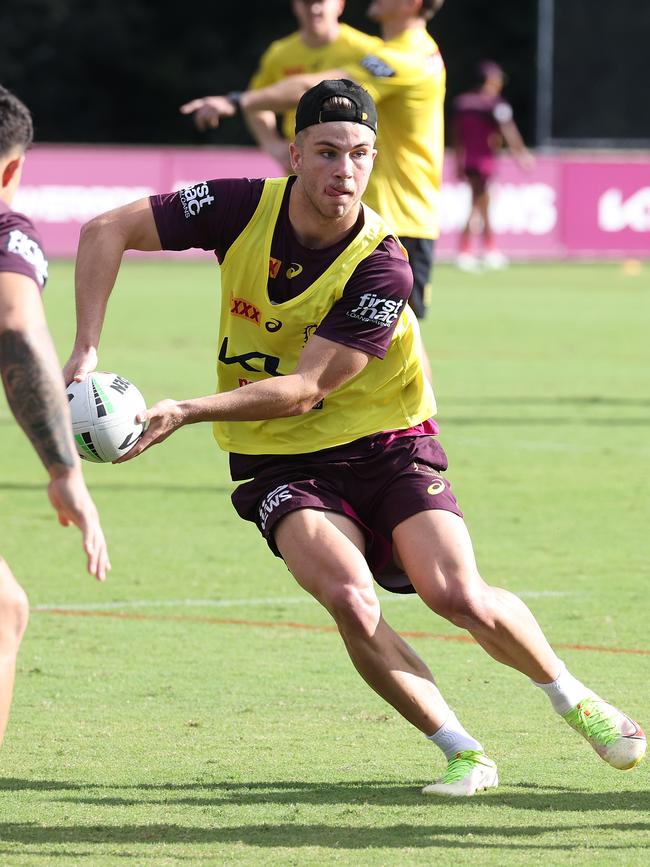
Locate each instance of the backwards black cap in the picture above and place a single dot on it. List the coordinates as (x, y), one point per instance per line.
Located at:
(310, 108)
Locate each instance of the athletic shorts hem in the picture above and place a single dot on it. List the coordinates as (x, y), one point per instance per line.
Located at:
(377, 493)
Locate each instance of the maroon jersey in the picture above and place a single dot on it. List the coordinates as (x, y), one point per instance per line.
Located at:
(477, 122)
(211, 215)
(20, 246)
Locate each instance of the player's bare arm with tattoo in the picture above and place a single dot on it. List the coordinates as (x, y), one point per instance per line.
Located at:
(35, 392)
(34, 386)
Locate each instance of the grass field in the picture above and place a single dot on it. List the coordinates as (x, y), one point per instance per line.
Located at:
(198, 708)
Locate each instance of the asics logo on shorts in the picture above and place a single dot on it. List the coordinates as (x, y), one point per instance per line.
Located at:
(271, 501)
(437, 486)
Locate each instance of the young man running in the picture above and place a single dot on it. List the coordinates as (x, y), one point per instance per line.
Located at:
(328, 418)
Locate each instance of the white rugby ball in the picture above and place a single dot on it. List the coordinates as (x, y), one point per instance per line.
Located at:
(103, 408)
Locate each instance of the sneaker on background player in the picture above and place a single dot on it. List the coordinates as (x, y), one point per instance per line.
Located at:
(468, 262)
(495, 259)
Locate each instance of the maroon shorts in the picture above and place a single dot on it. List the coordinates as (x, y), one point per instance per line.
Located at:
(378, 485)
(479, 176)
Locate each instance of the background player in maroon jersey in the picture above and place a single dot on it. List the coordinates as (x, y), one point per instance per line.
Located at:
(482, 121)
(33, 385)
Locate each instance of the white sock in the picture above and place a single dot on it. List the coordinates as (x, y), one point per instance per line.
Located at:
(452, 737)
(565, 691)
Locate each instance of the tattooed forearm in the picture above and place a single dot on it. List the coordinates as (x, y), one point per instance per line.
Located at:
(35, 394)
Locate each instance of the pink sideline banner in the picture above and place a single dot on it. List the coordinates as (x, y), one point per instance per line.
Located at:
(569, 206)
(63, 186)
(610, 207)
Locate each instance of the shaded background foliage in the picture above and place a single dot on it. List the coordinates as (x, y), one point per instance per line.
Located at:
(105, 71)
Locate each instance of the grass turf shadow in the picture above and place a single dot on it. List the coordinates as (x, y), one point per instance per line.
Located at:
(519, 796)
(293, 835)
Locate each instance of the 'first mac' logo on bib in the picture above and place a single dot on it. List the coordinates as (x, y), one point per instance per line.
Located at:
(373, 308)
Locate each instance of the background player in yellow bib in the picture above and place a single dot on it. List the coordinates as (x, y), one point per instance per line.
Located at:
(327, 417)
(405, 74)
(321, 42)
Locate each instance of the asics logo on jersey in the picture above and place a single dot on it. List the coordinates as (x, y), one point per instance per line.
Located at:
(271, 501)
(377, 67)
(193, 199)
(24, 246)
(293, 270)
(273, 325)
(274, 267)
(307, 332)
(245, 310)
(436, 487)
(374, 308)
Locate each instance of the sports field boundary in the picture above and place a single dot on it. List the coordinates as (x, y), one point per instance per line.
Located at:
(291, 624)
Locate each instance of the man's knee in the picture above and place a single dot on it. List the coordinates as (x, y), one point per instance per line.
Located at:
(466, 605)
(354, 607)
(14, 606)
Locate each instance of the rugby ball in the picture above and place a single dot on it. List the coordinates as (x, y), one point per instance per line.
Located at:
(103, 408)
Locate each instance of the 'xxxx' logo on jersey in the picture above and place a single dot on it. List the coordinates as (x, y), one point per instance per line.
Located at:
(240, 307)
(274, 267)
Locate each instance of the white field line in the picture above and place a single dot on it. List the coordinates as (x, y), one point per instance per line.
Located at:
(245, 603)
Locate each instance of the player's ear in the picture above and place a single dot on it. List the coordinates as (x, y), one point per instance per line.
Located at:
(295, 156)
(12, 170)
